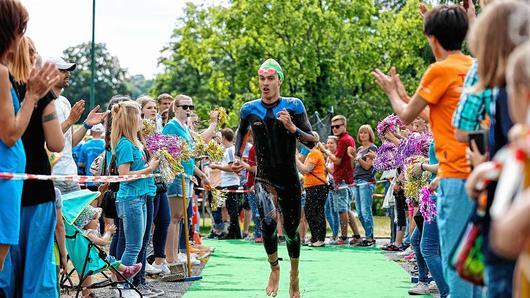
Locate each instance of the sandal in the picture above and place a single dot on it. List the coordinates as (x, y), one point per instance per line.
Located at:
(391, 247)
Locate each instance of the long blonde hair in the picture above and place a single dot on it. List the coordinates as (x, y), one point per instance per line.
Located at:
(20, 66)
(498, 30)
(125, 123)
(517, 78)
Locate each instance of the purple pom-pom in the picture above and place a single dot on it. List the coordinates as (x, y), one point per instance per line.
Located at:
(386, 157)
(158, 141)
(390, 124)
(416, 144)
(427, 204)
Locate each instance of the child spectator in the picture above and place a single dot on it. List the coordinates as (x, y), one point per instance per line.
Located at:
(88, 222)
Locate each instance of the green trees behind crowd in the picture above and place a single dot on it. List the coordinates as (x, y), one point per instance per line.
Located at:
(327, 50)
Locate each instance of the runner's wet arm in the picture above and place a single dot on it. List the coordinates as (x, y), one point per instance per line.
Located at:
(241, 136)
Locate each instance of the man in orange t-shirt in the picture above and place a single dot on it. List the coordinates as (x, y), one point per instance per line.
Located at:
(436, 99)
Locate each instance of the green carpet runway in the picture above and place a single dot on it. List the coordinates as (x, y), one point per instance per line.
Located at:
(239, 269)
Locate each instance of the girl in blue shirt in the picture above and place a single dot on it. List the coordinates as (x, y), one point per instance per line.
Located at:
(130, 160)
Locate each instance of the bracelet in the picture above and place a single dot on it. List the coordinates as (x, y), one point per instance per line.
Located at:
(86, 125)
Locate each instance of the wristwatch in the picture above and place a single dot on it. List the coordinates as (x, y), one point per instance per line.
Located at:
(86, 125)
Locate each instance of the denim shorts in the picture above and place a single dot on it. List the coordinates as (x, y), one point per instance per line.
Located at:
(175, 188)
(342, 199)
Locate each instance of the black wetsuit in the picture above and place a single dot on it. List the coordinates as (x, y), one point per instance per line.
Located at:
(277, 183)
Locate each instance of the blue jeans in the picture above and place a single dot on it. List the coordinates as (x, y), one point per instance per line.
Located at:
(363, 203)
(407, 235)
(499, 279)
(29, 268)
(251, 197)
(343, 198)
(332, 216)
(430, 250)
(133, 217)
(415, 241)
(454, 209)
(162, 218)
(142, 256)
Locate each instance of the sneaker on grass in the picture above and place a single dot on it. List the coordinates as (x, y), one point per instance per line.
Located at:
(420, 288)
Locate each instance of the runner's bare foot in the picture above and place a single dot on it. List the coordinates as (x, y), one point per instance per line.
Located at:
(274, 281)
(294, 286)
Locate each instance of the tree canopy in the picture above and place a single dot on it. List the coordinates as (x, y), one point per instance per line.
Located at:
(326, 48)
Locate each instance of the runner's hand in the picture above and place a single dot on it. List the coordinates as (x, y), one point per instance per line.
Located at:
(285, 118)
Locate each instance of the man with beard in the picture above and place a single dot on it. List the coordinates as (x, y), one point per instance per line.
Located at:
(68, 116)
(276, 123)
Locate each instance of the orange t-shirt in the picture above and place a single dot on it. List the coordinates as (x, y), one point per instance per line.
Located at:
(441, 87)
(317, 158)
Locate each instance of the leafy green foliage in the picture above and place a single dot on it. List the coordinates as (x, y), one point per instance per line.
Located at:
(326, 48)
(110, 77)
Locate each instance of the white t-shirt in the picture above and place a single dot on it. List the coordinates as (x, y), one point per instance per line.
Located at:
(229, 178)
(66, 164)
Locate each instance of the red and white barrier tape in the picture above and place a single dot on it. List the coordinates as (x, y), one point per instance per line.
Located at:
(353, 185)
(76, 178)
(230, 190)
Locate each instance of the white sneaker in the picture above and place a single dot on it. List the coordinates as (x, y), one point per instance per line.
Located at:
(193, 259)
(150, 269)
(129, 293)
(406, 252)
(420, 288)
(164, 269)
(433, 287)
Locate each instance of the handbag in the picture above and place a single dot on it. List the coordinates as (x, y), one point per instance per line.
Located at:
(467, 258)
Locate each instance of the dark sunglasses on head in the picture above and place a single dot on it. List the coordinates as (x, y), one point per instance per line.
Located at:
(336, 126)
(187, 107)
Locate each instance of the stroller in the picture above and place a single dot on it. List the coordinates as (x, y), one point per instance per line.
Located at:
(88, 259)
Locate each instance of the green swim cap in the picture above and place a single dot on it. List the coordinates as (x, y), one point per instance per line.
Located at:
(272, 64)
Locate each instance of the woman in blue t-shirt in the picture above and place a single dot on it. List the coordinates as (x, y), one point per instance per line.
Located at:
(182, 108)
(131, 160)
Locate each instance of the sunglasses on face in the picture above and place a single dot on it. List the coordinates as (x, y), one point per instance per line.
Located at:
(336, 126)
(266, 71)
(187, 107)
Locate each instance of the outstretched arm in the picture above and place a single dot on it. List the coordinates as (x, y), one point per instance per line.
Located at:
(241, 136)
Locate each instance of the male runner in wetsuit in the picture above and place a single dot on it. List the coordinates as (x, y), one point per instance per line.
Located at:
(276, 123)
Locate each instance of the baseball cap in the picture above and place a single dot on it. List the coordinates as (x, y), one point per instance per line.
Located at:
(98, 128)
(61, 64)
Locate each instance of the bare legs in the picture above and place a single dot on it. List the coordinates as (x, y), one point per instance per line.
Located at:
(173, 233)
